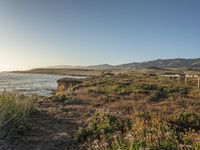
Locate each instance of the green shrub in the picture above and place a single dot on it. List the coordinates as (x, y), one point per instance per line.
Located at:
(147, 130)
(14, 112)
(83, 134)
(164, 146)
(121, 90)
(157, 95)
(102, 125)
(185, 121)
(172, 89)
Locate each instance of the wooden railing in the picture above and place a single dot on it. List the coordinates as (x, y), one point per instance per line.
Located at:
(185, 76)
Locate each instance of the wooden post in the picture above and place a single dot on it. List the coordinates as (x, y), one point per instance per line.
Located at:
(185, 78)
(179, 79)
(198, 82)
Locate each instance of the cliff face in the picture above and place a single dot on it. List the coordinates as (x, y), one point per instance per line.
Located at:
(67, 84)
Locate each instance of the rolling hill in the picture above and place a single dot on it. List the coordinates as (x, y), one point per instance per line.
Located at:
(159, 63)
(162, 63)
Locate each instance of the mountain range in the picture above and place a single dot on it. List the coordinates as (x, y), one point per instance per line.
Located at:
(159, 63)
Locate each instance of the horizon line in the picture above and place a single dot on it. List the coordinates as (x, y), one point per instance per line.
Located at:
(79, 66)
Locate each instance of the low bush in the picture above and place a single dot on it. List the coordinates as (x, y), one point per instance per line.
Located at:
(144, 131)
(102, 125)
(14, 112)
(185, 121)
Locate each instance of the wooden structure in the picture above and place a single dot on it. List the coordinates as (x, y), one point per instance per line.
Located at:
(183, 76)
(173, 76)
(193, 76)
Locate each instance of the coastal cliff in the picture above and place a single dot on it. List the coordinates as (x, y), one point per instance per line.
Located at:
(67, 84)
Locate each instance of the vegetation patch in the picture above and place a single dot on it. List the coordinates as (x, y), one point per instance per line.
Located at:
(14, 112)
(144, 130)
(186, 121)
(100, 126)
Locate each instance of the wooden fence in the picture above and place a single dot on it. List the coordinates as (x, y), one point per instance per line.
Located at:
(183, 76)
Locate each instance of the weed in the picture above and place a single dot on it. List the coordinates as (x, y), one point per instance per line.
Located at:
(14, 112)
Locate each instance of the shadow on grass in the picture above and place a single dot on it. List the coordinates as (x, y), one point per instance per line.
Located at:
(46, 133)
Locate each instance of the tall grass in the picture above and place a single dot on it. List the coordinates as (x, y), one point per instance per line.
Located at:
(14, 112)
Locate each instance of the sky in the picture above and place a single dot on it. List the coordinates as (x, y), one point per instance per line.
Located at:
(37, 33)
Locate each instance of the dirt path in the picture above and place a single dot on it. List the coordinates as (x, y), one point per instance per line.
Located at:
(53, 126)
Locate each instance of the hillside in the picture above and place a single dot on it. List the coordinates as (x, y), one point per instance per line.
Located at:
(162, 63)
(100, 67)
(155, 65)
(159, 63)
(63, 71)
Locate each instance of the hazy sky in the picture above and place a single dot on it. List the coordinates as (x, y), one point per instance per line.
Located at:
(37, 33)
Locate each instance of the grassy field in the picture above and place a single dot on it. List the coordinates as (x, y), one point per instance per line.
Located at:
(126, 111)
(141, 111)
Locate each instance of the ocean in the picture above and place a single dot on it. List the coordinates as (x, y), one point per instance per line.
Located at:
(40, 84)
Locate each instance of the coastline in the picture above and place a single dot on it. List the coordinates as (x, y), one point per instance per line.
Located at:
(85, 112)
(63, 71)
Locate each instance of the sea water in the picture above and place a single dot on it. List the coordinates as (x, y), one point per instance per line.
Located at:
(40, 84)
